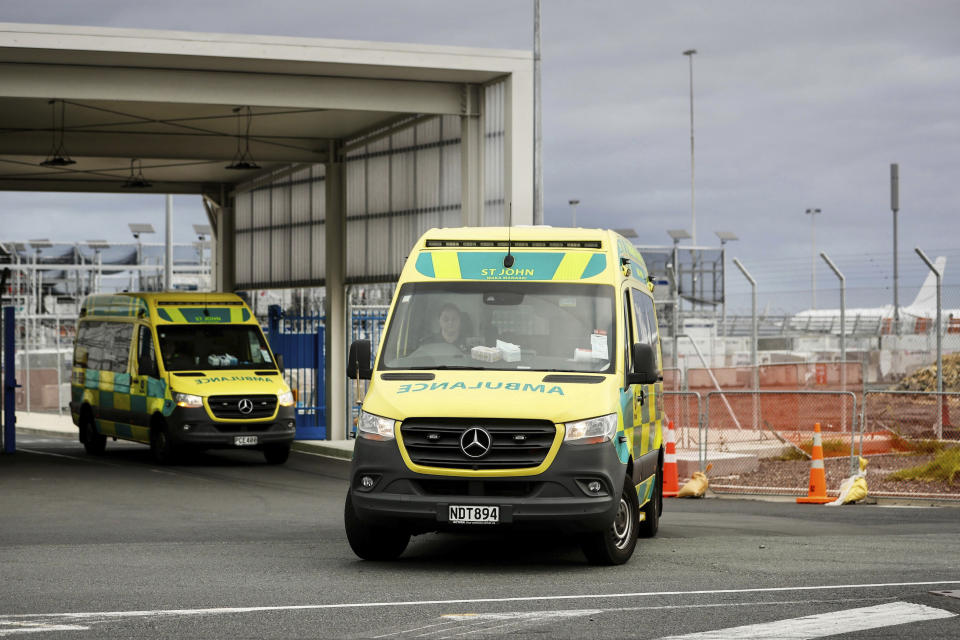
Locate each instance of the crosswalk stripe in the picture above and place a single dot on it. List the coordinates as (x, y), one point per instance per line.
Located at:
(827, 624)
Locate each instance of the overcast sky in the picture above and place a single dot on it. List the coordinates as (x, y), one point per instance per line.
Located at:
(797, 105)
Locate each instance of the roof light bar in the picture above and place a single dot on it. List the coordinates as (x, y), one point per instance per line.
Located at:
(472, 244)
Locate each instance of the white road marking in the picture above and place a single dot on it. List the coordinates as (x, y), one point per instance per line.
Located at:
(10, 628)
(509, 619)
(410, 603)
(827, 624)
(104, 616)
(543, 616)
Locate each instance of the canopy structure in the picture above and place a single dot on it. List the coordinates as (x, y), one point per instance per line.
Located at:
(319, 161)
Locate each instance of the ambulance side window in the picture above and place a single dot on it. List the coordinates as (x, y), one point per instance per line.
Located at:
(116, 350)
(93, 339)
(646, 319)
(146, 357)
(628, 337)
(82, 349)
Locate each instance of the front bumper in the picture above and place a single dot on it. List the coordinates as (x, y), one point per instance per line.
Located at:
(556, 499)
(193, 427)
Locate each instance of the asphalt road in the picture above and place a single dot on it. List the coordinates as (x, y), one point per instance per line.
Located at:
(226, 546)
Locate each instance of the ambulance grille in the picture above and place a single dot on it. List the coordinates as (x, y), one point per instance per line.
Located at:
(515, 444)
(228, 407)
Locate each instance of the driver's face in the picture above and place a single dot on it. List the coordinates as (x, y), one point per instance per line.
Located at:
(449, 325)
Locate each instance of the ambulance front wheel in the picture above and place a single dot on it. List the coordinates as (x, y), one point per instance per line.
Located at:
(615, 544)
(161, 444)
(93, 443)
(372, 542)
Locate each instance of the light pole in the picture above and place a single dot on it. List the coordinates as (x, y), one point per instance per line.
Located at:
(813, 255)
(204, 231)
(693, 212)
(677, 235)
(725, 237)
(755, 338)
(573, 210)
(168, 253)
(895, 206)
(138, 228)
(537, 120)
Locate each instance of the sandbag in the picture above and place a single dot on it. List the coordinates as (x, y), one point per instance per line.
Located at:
(854, 488)
(696, 486)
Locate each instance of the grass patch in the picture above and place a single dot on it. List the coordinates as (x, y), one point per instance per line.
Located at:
(831, 449)
(915, 447)
(791, 453)
(944, 468)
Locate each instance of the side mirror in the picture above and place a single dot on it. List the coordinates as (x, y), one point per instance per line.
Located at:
(358, 361)
(644, 365)
(279, 358)
(147, 366)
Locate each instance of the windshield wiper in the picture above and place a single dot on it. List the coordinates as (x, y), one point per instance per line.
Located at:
(448, 366)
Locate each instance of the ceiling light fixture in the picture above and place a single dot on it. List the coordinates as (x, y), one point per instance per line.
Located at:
(58, 156)
(136, 180)
(242, 160)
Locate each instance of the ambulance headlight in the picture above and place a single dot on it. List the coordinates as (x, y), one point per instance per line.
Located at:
(285, 398)
(187, 400)
(591, 431)
(374, 427)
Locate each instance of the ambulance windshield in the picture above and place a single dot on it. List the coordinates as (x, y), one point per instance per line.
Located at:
(541, 326)
(195, 347)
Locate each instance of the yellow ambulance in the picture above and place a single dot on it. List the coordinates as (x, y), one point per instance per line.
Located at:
(177, 371)
(517, 384)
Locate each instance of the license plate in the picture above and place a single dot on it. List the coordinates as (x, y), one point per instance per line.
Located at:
(244, 441)
(474, 515)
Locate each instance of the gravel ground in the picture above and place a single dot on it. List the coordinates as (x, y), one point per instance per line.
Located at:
(795, 474)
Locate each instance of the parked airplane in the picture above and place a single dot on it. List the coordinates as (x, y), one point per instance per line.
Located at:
(917, 317)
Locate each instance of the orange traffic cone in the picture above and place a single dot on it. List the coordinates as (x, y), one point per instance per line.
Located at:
(817, 494)
(671, 483)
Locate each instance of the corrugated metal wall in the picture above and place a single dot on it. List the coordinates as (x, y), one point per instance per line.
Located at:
(397, 188)
(494, 109)
(280, 230)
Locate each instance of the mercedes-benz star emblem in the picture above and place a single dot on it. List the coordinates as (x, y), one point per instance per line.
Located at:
(475, 442)
(245, 406)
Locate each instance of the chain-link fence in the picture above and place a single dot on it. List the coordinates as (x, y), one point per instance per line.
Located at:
(683, 409)
(912, 442)
(812, 376)
(762, 441)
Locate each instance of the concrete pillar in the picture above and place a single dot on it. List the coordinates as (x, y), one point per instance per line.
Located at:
(225, 266)
(335, 309)
(471, 157)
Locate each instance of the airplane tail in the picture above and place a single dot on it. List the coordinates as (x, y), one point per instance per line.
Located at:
(927, 298)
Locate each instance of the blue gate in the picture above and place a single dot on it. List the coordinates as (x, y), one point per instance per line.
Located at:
(366, 323)
(300, 340)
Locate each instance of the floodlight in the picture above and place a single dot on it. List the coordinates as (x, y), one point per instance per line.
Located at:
(41, 243)
(726, 236)
(136, 228)
(679, 234)
(201, 229)
(627, 233)
(98, 245)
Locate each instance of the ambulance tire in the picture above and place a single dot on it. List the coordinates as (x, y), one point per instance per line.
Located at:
(651, 519)
(615, 544)
(371, 542)
(93, 443)
(161, 445)
(276, 453)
